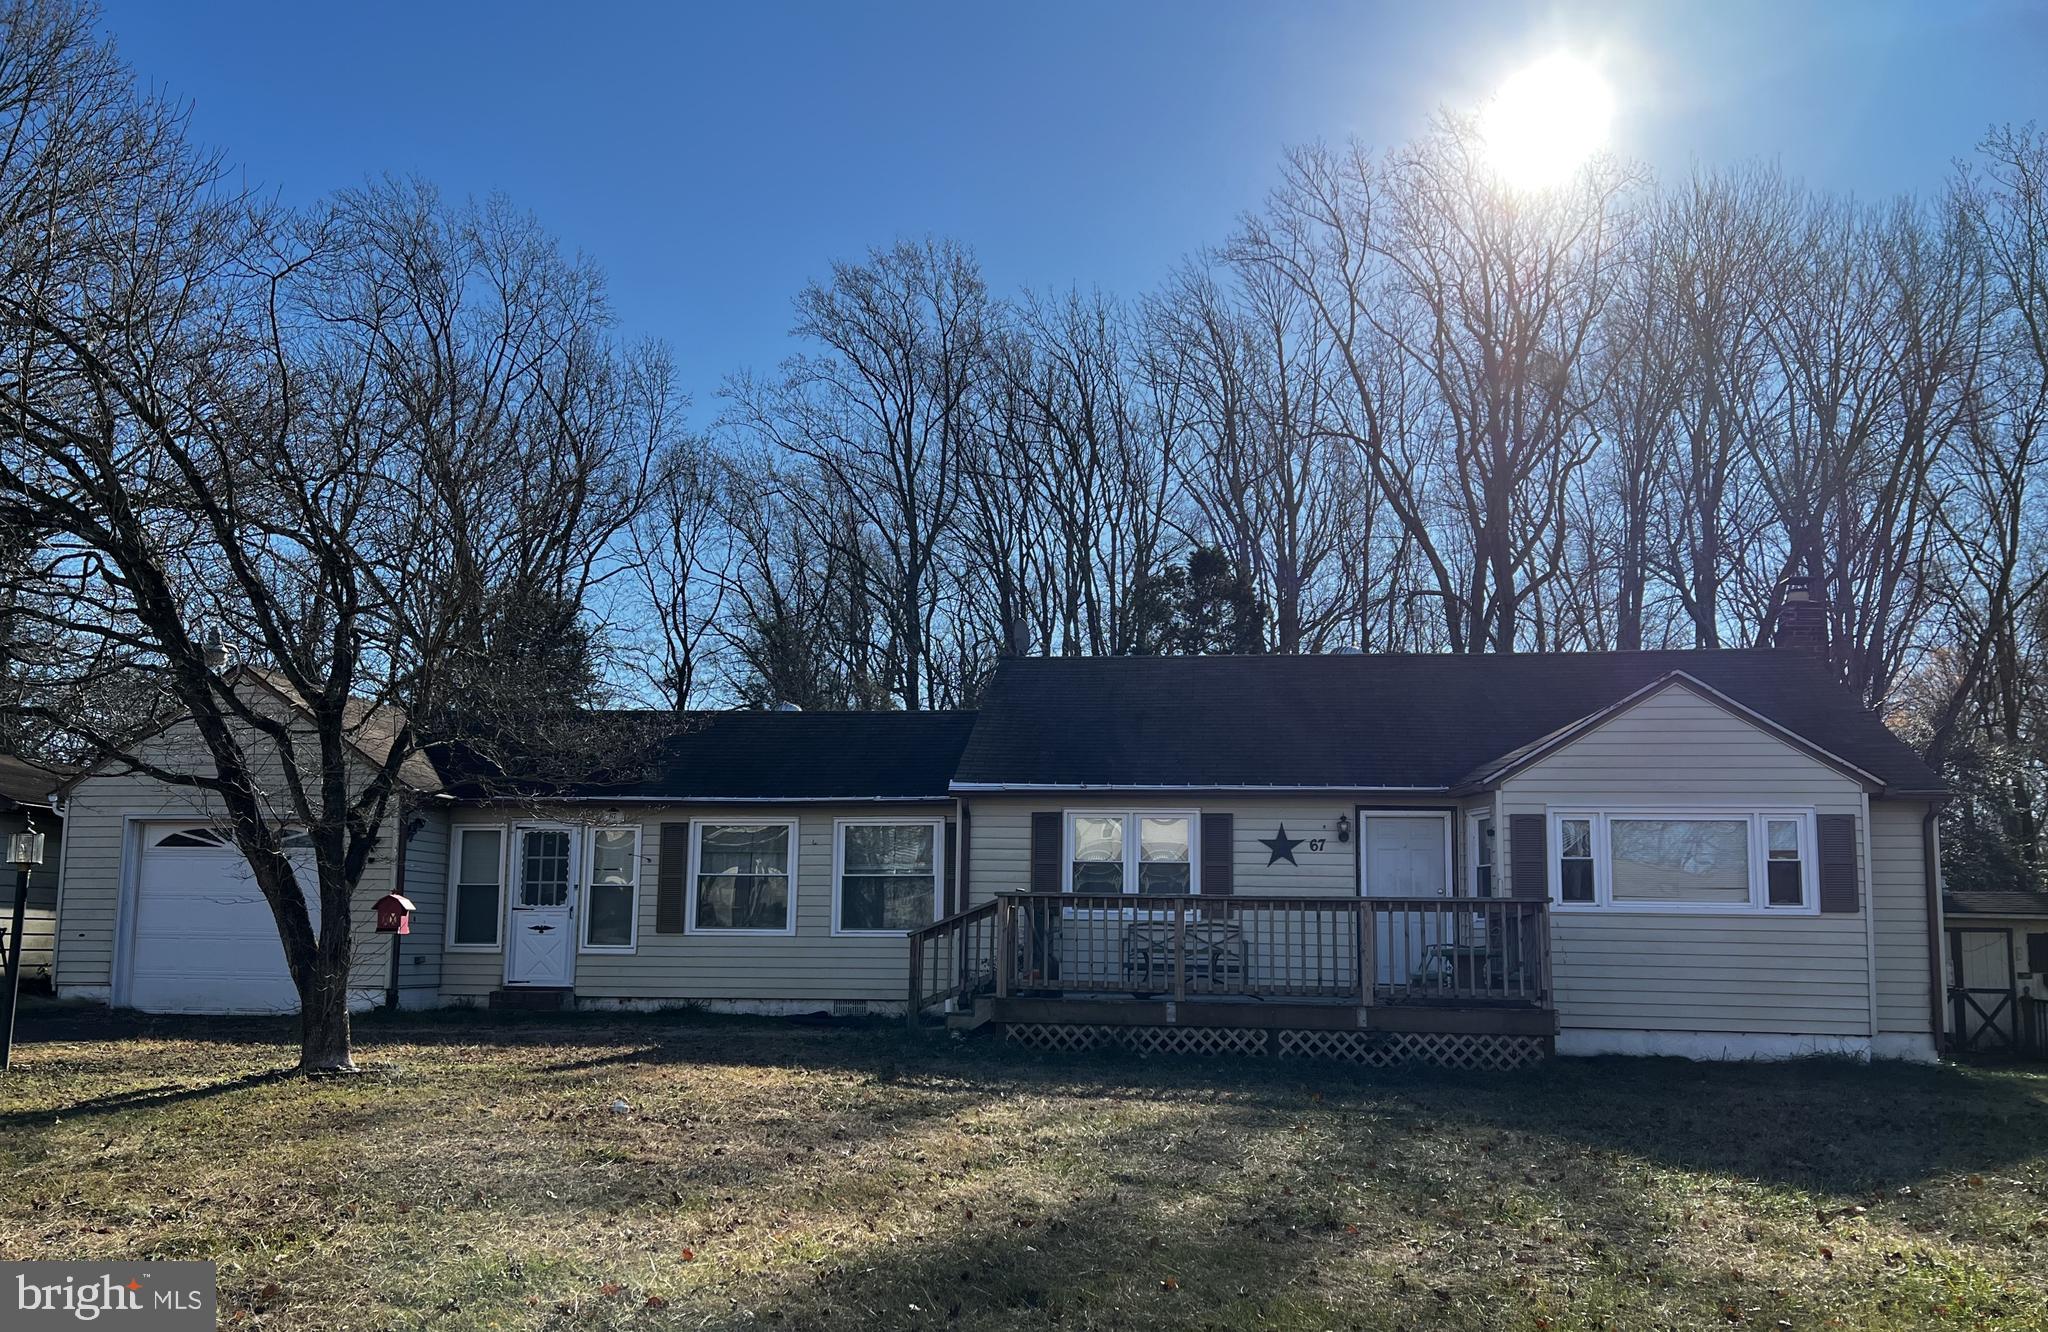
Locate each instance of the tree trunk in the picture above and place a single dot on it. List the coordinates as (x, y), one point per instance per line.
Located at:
(323, 1024)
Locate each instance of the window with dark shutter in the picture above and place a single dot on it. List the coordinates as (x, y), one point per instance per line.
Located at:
(1047, 845)
(1839, 890)
(1528, 858)
(1219, 832)
(2037, 953)
(952, 902)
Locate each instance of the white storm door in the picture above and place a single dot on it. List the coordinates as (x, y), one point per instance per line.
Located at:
(540, 936)
(1405, 855)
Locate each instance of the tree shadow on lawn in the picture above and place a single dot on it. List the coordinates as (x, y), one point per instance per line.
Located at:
(142, 1098)
(1832, 1126)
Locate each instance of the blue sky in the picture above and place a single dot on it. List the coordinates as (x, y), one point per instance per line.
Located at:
(714, 158)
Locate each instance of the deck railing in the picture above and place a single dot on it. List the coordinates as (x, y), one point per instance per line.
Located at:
(953, 959)
(1367, 950)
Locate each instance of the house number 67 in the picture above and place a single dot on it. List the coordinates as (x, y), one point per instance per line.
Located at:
(1316, 843)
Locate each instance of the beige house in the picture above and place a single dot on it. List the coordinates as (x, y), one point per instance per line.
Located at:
(1473, 859)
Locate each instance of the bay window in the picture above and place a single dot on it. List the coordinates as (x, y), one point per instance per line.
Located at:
(1684, 860)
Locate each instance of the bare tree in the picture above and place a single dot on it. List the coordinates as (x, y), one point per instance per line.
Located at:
(881, 416)
(216, 412)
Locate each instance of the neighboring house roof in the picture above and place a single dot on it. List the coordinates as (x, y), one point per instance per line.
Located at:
(2015, 903)
(25, 783)
(770, 756)
(371, 727)
(1374, 722)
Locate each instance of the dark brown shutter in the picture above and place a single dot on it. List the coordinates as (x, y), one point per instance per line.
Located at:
(1045, 851)
(671, 868)
(1528, 856)
(952, 867)
(1219, 836)
(1838, 886)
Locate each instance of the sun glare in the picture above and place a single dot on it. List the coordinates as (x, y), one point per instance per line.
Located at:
(1546, 120)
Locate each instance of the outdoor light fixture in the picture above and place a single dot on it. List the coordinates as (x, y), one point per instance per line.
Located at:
(1343, 827)
(24, 852)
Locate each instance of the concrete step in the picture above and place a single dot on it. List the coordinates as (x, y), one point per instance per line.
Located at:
(531, 997)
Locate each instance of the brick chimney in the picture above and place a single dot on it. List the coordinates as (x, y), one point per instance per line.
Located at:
(1802, 616)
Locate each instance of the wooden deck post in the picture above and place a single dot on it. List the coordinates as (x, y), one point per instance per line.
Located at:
(1006, 944)
(916, 980)
(1368, 967)
(1180, 951)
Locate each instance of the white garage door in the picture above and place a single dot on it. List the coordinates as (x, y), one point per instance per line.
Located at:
(202, 939)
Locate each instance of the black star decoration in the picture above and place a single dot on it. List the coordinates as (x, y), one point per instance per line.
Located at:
(1282, 846)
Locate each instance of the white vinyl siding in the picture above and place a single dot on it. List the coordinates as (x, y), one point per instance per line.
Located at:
(810, 967)
(1778, 972)
(1000, 842)
(1898, 893)
(100, 813)
(426, 883)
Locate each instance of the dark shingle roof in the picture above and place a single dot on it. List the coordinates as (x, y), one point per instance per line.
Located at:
(2015, 903)
(782, 756)
(1365, 721)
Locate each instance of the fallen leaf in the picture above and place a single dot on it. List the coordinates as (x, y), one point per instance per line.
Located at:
(689, 1255)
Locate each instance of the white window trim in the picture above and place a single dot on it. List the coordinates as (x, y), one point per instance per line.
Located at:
(697, 827)
(455, 836)
(632, 944)
(1759, 847)
(1473, 818)
(839, 827)
(1131, 818)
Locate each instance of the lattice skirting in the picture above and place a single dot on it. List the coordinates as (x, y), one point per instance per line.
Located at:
(1140, 1040)
(1376, 1049)
(1383, 1049)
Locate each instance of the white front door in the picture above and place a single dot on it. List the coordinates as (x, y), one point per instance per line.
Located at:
(1404, 855)
(540, 939)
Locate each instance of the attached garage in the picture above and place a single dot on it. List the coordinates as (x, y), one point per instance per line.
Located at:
(200, 937)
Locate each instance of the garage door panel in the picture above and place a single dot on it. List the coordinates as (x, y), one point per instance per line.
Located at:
(202, 937)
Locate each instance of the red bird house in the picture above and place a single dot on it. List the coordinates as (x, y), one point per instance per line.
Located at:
(394, 914)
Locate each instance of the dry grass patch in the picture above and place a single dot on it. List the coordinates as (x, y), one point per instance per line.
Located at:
(584, 1174)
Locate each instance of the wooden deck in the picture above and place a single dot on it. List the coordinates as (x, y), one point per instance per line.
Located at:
(1455, 966)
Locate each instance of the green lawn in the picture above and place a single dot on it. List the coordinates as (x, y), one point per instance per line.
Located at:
(777, 1176)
